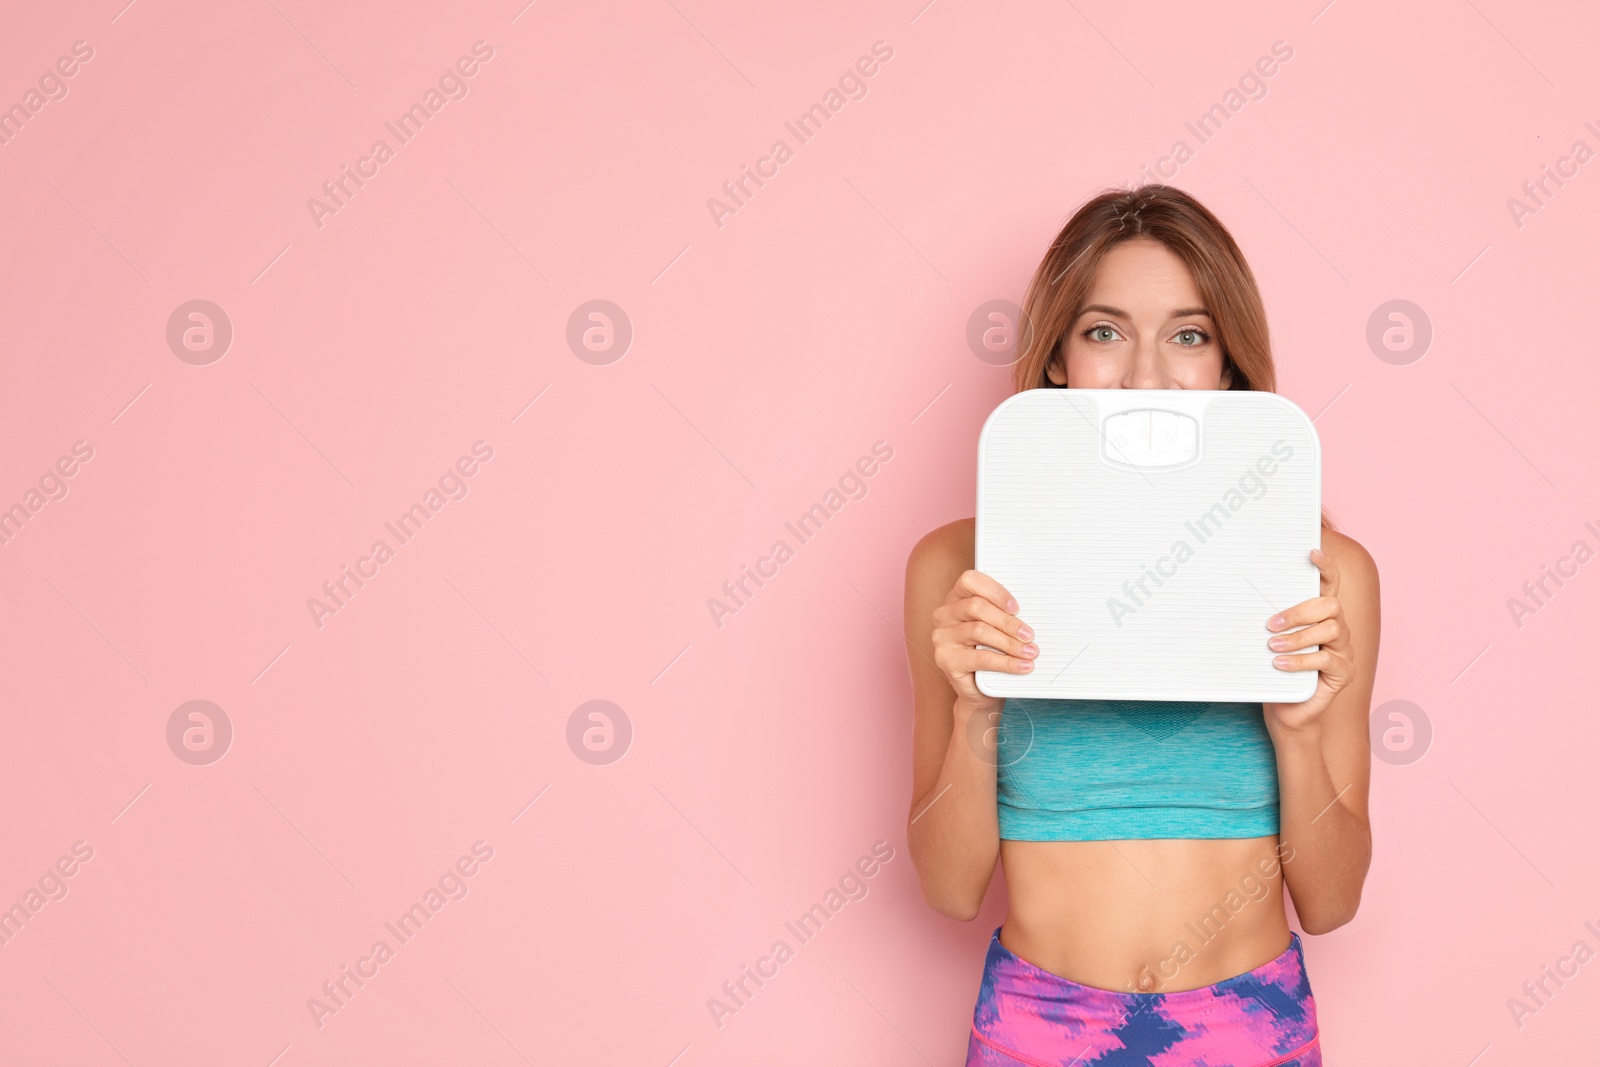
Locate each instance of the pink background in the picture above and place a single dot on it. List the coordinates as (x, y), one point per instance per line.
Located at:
(830, 312)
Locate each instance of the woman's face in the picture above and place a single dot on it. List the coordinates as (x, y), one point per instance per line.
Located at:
(1143, 326)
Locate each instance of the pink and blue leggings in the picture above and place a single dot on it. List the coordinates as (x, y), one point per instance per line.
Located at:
(1029, 1016)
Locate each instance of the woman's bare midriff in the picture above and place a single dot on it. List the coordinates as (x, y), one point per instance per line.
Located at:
(1145, 916)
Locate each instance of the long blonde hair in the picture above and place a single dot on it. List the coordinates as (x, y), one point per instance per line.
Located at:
(1061, 283)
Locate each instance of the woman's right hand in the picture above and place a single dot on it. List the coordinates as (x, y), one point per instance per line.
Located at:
(979, 611)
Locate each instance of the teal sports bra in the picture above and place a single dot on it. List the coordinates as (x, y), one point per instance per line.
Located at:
(1108, 770)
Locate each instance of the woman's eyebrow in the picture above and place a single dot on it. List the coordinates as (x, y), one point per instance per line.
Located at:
(1109, 310)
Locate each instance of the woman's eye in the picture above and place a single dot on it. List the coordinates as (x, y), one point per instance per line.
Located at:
(1094, 332)
(1199, 337)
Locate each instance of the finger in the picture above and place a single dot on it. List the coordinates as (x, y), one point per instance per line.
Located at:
(981, 659)
(985, 610)
(1305, 613)
(977, 583)
(1329, 569)
(1322, 659)
(981, 633)
(1326, 632)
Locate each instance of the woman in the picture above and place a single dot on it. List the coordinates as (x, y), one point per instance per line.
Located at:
(1162, 937)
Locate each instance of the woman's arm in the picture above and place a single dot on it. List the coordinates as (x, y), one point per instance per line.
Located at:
(953, 829)
(1324, 759)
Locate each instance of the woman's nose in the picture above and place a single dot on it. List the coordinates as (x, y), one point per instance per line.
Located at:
(1147, 371)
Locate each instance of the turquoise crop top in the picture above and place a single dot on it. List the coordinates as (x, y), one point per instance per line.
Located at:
(1098, 770)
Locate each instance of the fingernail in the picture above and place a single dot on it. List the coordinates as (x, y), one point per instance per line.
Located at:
(1275, 623)
(1280, 661)
(1278, 642)
(1011, 605)
(1025, 632)
(1027, 665)
(1030, 650)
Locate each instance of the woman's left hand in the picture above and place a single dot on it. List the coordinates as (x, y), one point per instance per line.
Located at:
(1322, 619)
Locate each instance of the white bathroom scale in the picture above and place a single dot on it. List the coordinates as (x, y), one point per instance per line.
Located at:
(1148, 535)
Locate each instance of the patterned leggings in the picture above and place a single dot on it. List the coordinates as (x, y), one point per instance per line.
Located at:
(1029, 1016)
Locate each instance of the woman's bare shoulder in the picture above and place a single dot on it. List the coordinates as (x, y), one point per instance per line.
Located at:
(1350, 555)
(943, 554)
